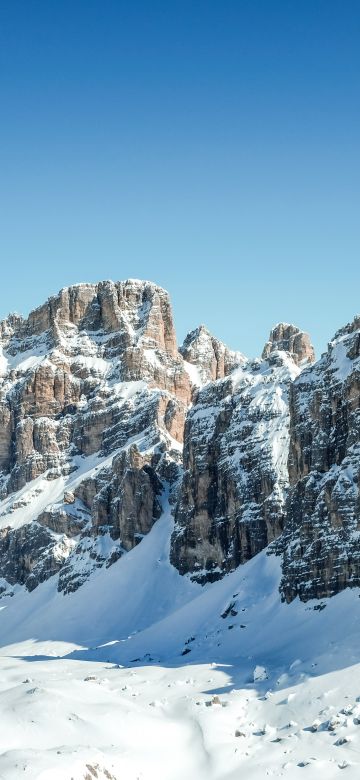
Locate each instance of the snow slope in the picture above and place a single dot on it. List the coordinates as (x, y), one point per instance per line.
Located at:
(142, 674)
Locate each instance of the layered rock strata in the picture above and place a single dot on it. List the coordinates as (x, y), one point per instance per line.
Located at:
(207, 358)
(93, 372)
(322, 539)
(232, 498)
(95, 401)
(289, 338)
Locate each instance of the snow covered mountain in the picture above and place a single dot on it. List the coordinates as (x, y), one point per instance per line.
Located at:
(232, 496)
(93, 401)
(172, 525)
(94, 397)
(321, 544)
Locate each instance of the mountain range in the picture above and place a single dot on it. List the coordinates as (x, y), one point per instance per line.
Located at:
(165, 507)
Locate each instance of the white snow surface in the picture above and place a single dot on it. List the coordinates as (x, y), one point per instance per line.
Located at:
(194, 374)
(141, 674)
(22, 361)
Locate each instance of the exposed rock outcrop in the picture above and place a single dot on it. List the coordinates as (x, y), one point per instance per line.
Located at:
(290, 339)
(31, 554)
(124, 502)
(210, 358)
(93, 370)
(63, 368)
(232, 498)
(95, 400)
(321, 543)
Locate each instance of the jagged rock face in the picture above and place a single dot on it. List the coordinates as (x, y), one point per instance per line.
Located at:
(290, 339)
(321, 543)
(89, 372)
(208, 356)
(62, 369)
(31, 554)
(124, 503)
(233, 493)
(94, 399)
(135, 310)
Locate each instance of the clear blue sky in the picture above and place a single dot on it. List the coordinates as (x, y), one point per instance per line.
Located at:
(212, 147)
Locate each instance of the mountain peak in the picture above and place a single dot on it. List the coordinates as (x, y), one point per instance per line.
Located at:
(212, 357)
(290, 338)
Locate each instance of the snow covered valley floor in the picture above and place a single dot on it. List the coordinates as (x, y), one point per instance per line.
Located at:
(142, 674)
(64, 719)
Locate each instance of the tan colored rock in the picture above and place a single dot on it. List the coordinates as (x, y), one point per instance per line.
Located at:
(62, 522)
(69, 497)
(171, 416)
(24, 439)
(47, 391)
(45, 436)
(69, 306)
(160, 327)
(6, 427)
(290, 339)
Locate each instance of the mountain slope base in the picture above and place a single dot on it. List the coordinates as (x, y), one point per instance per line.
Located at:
(266, 689)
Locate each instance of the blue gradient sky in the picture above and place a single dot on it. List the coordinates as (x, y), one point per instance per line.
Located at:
(210, 146)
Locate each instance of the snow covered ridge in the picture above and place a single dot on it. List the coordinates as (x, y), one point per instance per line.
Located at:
(96, 403)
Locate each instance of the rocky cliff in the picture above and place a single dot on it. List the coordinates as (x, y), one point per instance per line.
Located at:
(232, 497)
(103, 420)
(289, 338)
(321, 543)
(207, 358)
(92, 373)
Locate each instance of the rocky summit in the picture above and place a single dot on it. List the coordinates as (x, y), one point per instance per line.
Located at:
(105, 422)
(94, 395)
